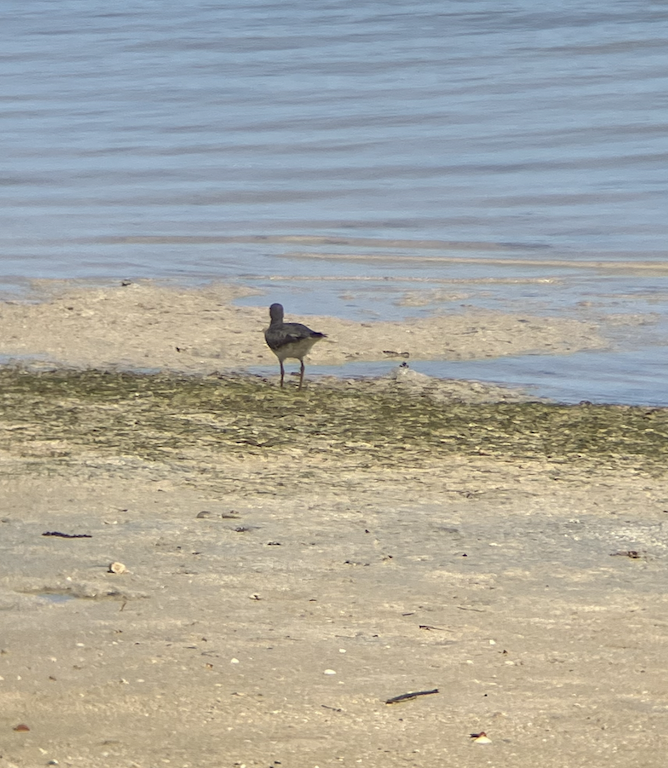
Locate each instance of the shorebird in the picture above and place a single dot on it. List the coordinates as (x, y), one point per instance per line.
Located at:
(289, 340)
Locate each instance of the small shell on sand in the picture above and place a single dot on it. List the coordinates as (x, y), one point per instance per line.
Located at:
(481, 738)
(117, 568)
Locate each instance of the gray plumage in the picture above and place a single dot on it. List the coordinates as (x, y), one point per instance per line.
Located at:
(289, 340)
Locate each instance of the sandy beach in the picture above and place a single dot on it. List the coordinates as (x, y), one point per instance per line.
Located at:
(290, 562)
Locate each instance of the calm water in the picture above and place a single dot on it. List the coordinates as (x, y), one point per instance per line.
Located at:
(495, 154)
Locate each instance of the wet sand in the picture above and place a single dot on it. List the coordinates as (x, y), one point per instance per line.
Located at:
(295, 560)
(150, 326)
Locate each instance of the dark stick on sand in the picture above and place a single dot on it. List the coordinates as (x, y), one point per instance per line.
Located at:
(409, 696)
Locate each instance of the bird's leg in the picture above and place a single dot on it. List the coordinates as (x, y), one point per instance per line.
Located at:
(282, 372)
(301, 374)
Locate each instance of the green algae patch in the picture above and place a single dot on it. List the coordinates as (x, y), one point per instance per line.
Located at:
(56, 416)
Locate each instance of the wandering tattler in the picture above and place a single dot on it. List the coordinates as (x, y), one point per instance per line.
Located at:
(289, 340)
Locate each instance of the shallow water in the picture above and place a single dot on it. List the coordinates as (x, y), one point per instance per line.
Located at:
(432, 144)
(571, 379)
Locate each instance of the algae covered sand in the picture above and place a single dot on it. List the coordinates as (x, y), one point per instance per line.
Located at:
(294, 560)
(173, 417)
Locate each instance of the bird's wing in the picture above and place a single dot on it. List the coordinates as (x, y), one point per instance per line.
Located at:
(289, 333)
(279, 338)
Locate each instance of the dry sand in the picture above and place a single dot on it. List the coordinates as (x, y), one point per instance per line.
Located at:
(274, 600)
